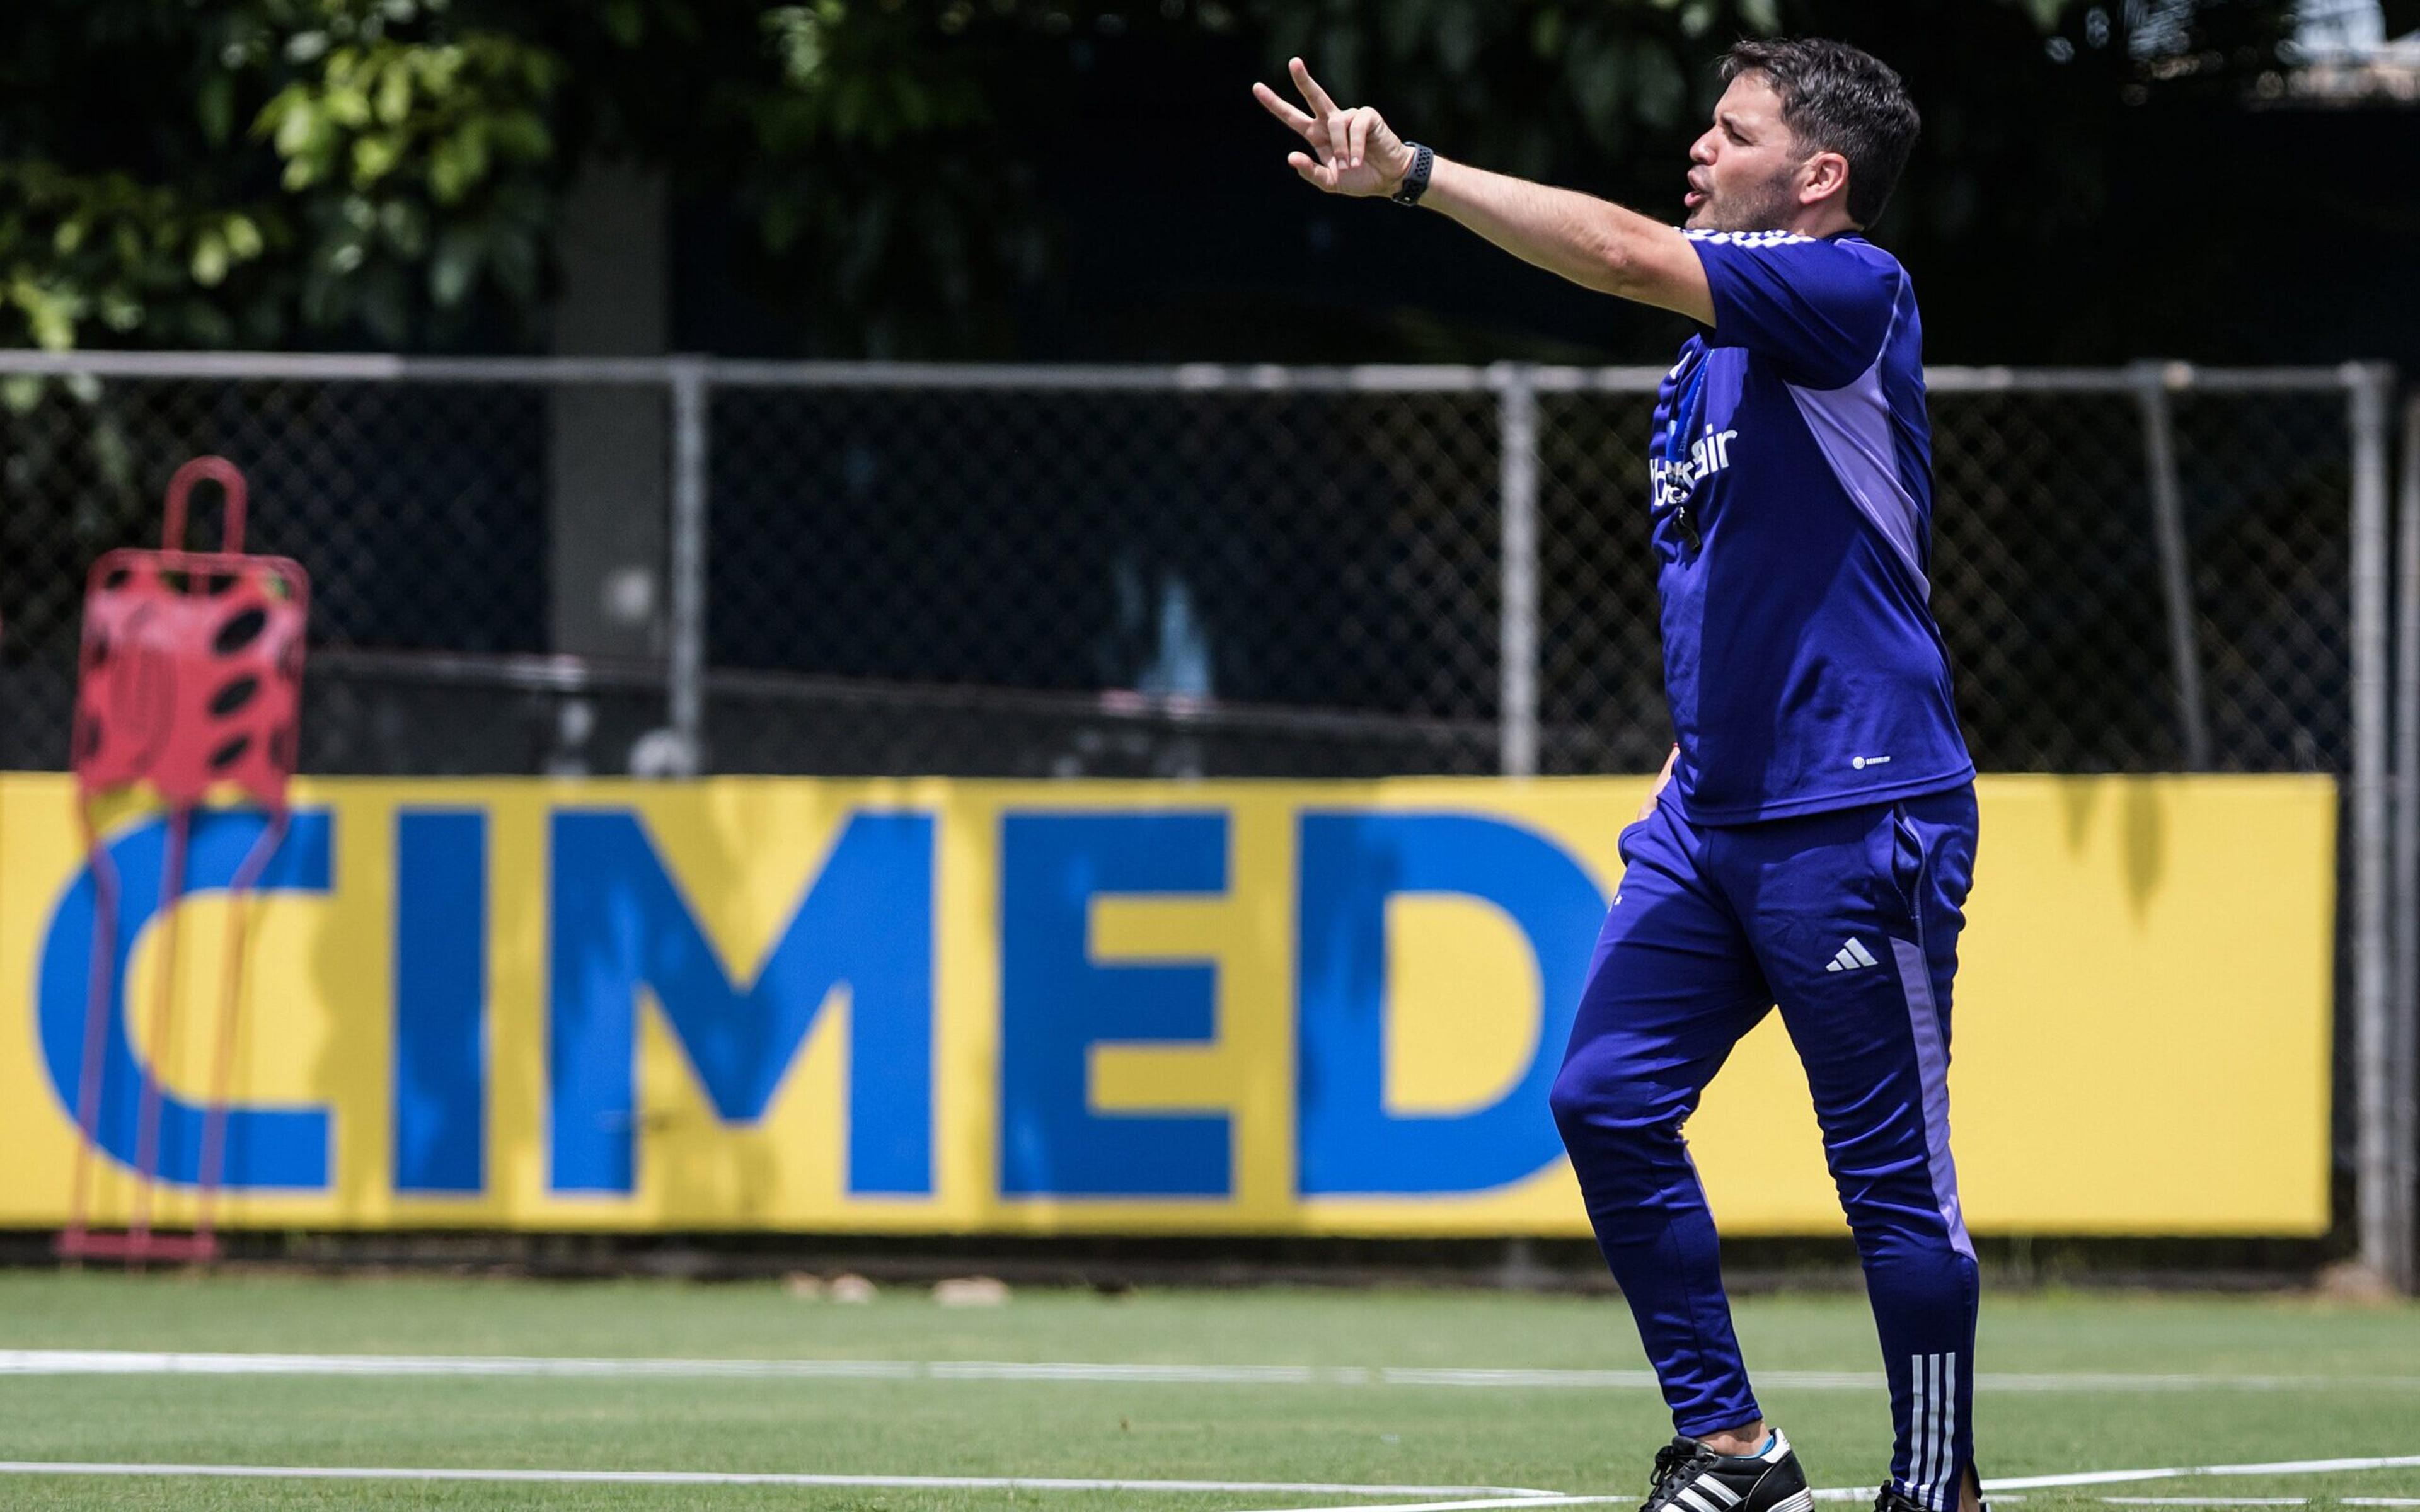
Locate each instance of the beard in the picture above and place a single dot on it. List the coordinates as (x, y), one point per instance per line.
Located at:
(1765, 206)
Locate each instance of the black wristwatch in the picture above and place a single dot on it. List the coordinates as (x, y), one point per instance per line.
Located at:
(1416, 182)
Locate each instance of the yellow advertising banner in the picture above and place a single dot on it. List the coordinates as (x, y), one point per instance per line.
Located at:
(945, 1007)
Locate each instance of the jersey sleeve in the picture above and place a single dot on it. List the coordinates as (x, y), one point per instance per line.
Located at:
(1820, 311)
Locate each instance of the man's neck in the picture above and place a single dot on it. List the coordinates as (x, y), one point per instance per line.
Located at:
(1821, 221)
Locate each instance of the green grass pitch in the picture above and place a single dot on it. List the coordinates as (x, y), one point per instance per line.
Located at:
(2268, 1379)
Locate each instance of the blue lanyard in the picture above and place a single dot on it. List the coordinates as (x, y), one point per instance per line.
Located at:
(1684, 403)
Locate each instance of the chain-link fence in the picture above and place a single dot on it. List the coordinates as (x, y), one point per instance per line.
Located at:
(1299, 581)
(1208, 571)
(417, 509)
(1175, 571)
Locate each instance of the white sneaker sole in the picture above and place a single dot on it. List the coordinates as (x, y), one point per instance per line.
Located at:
(1801, 1502)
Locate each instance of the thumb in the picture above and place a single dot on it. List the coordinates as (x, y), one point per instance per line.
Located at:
(1312, 172)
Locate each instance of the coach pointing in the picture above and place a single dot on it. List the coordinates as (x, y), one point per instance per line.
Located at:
(1812, 839)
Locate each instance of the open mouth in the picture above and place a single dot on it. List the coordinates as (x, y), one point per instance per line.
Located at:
(1694, 198)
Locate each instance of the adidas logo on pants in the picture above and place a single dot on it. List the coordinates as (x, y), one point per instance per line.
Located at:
(1852, 957)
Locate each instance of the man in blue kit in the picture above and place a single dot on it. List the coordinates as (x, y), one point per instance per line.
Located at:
(1812, 838)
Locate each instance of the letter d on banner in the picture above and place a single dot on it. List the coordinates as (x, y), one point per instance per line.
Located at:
(1351, 864)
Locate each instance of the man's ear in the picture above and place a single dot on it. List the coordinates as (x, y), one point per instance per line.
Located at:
(1823, 176)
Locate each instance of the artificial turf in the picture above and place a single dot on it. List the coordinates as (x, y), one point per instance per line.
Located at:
(2277, 1378)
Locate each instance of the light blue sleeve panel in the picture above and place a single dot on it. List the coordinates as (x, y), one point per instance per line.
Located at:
(1818, 310)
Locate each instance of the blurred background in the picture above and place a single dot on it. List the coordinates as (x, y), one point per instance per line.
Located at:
(881, 388)
(811, 510)
(2217, 180)
(1308, 569)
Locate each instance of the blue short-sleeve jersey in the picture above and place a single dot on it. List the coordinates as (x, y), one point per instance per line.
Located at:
(1793, 504)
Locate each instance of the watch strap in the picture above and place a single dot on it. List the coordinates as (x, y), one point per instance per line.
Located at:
(1416, 182)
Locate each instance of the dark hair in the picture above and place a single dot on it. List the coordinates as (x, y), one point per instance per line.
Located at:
(1836, 98)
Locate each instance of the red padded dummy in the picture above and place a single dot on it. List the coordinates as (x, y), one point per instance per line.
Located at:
(191, 676)
(192, 670)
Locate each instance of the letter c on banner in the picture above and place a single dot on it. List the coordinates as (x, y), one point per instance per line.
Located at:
(266, 1148)
(1351, 864)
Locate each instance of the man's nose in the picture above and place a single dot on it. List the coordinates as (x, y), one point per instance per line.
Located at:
(1702, 149)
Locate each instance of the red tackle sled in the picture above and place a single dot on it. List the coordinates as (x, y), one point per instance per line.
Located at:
(190, 680)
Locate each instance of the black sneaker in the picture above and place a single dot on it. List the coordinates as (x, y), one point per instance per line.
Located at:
(1690, 1478)
(1894, 1500)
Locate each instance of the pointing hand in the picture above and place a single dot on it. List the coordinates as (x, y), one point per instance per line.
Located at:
(1358, 153)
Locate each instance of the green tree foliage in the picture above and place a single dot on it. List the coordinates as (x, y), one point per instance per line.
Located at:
(200, 172)
(262, 170)
(2057, 163)
(1526, 84)
(291, 172)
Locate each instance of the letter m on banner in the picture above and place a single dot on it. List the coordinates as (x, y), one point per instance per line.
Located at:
(621, 923)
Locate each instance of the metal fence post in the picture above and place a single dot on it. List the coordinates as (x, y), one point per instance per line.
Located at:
(2151, 382)
(2383, 1213)
(2403, 1062)
(1516, 388)
(685, 658)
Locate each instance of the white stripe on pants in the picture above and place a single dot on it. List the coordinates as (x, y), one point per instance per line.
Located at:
(1933, 1431)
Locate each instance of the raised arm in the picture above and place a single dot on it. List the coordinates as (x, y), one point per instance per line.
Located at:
(1593, 243)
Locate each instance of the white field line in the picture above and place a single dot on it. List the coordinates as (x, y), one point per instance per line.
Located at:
(2087, 1380)
(1498, 1495)
(1518, 1501)
(2113, 1477)
(1470, 1497)
(163, 1363)
(2282, 1467)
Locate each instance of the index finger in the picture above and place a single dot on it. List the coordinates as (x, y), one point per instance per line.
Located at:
(1320, 104)
(1283, 111)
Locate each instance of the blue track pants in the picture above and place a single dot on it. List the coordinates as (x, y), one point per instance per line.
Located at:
(1848, 920)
